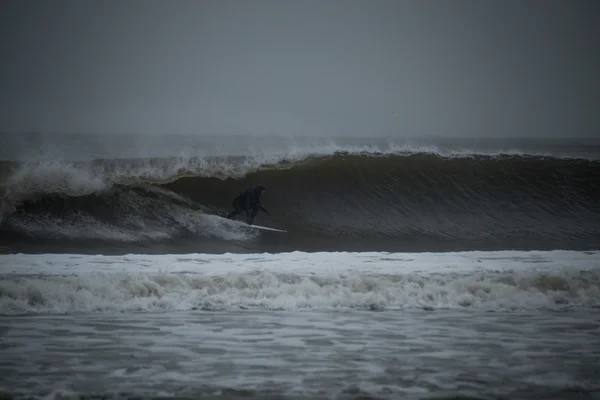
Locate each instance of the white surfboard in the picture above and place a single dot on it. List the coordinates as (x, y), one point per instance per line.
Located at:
(266, 228)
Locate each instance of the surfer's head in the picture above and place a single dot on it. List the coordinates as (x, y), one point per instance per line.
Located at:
(260, 190)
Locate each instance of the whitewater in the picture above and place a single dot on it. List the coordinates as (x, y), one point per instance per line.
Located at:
(431, 269)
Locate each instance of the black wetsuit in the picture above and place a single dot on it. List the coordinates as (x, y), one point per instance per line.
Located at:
(249, 201)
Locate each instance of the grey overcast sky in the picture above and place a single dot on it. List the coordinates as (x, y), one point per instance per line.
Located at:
(394, 67)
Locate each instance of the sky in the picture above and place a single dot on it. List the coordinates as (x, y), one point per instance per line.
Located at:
(476, 68)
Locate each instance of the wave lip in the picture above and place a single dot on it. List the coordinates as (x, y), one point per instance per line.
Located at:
(512, 281)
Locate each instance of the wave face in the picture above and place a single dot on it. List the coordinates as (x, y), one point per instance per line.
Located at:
(393, 200)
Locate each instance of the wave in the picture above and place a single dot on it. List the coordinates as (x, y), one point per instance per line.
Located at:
(281, 291)
(394, 200)
(50, 284)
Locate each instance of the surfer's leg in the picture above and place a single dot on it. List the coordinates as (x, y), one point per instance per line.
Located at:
(233, 214)
(237, 210)
(252, 215)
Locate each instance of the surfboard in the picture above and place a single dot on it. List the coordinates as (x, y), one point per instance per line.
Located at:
(266, 228)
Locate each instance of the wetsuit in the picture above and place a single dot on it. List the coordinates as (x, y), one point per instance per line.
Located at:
(249, 201)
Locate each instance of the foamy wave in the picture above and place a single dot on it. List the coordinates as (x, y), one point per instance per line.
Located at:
(79, 226)
(269, 290)
(51, 176)
(169, 224)
(292, 281)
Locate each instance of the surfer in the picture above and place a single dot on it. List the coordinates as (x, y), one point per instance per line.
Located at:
(249, 201)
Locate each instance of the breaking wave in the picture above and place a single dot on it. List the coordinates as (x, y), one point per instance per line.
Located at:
(50, 284)
(395, 200)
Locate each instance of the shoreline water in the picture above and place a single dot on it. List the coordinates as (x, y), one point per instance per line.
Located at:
(303, 355)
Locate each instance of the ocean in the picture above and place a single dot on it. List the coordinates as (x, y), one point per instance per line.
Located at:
(412, 268)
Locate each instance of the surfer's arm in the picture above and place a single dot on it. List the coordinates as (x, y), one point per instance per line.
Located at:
(261, 208)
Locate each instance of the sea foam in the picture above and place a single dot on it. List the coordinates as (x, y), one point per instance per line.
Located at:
(506, 280)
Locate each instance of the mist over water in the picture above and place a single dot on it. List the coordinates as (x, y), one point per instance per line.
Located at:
(157, 194)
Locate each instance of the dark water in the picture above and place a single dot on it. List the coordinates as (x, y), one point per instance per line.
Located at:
(415, 355)
(394, 202)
